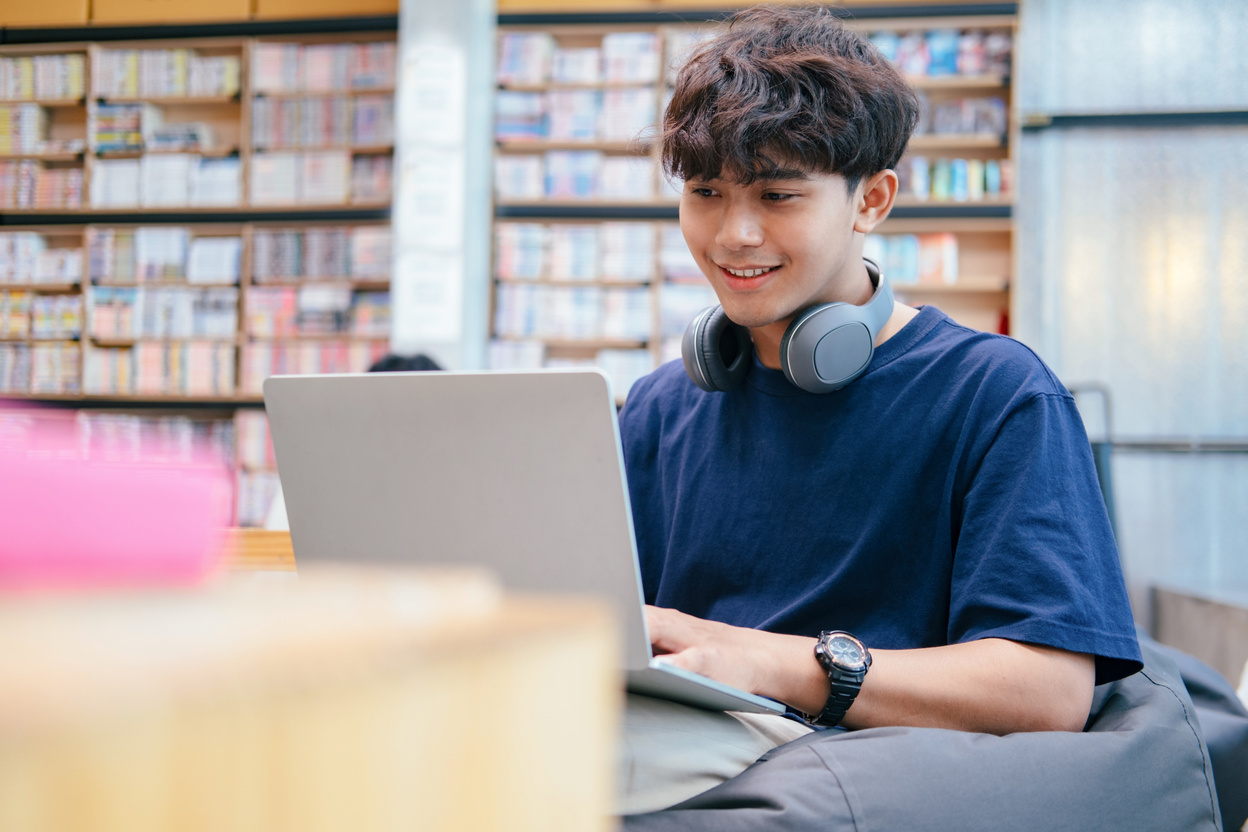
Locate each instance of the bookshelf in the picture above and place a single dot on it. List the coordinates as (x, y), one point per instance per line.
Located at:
(173, 328)
(577, 105)
(143, 184)
(222, 123)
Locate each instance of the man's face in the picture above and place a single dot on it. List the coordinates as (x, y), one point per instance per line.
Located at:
(776, 246)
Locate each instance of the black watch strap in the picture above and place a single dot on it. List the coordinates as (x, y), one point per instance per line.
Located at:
(844, 683)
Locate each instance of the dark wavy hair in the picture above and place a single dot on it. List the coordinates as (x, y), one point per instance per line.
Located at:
(786, 88)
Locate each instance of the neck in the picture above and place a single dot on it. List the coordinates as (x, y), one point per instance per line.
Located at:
(767, 338)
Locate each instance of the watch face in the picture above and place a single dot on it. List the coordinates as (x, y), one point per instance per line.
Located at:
(847, 652)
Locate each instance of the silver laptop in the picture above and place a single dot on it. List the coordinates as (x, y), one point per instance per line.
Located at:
(519, 472)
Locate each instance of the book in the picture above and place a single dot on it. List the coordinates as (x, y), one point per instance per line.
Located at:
(520, 250)
(274, 178)
(55, 368)
(572, 313)
(263, 359)
(630, 56)
(126, 313)
(362, 252)
(572, 174)
(165, 180)
(626, 251)
(14, 368)
(516, 355)
(14, 314)
(216, 182)
(942, 50)
(573, 252)
(370, 314)
(625, 177)
(938, 258)
(313, 177)
(29, 184)
(253, 444)
(627, 114)
(26, 257)
(278, 67)
(573, 115)
(524, 58)
(163, 73)
(23, 128)
(371, 252)
(214, 260)
(519, 116)
(519, 176)
(43, 78)
(56, 317)
(581, 65)
(372, 178)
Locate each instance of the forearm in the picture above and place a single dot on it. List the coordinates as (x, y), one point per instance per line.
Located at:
(991, 685)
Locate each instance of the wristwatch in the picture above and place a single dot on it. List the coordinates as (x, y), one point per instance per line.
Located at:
(845, 659)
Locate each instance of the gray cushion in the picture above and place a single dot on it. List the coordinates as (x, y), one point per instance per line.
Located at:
(1141, 763)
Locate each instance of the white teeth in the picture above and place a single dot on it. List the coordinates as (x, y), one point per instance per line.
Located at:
(746, 272)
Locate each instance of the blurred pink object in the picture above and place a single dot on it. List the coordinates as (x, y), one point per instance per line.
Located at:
(77, 517)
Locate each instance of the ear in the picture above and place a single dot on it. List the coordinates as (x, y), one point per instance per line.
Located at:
(874, 200)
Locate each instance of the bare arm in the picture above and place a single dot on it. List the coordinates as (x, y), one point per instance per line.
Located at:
(991, 685)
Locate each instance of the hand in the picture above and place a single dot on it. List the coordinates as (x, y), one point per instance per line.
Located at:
(751, 660)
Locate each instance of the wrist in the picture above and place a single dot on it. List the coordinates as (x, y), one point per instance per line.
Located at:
(845, 660)
(790, 673)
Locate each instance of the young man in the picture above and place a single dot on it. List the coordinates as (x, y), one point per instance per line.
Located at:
(942, 509)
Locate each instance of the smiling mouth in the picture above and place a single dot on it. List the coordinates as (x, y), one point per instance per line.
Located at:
(747, 273)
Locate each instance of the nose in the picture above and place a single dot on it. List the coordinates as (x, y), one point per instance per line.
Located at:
(739, 227)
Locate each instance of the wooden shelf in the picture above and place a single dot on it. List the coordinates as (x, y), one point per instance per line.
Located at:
(954, 141)
(159, 284)
(172, 100)
(51, 288)
(296, 282)
(350, 148)
(958, 82)
(589, 202)
(576, 284)
(964, 285)
(907, 201)
(114, 343)
(135, 398)
(48, 102)
(322, 93)
(44, 157)
(299, 336)
(587, 344)
(637, 147)
(205, 152)
(588, 85)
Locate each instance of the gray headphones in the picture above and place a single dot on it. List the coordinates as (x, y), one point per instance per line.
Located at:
(824, 348)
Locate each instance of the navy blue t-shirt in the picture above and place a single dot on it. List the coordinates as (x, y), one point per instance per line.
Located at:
(945, 496)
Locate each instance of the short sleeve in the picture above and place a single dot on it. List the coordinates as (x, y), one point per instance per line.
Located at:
(1035, 559)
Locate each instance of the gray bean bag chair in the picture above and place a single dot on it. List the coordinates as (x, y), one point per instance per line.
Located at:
(1140, 764)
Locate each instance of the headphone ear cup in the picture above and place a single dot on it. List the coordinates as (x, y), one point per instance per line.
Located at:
(716, 352)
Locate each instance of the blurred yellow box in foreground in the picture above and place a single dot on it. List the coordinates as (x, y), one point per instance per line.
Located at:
(343, 699)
